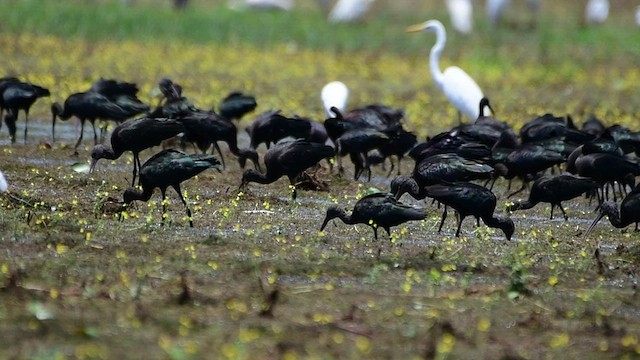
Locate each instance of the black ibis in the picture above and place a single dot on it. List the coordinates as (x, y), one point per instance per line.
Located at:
(356, 143)
(607, 168)
(379, 210)
(470, 199)
(136, 135)
(90, 106)
(440, 168)
(206, 128)
(527, 161)
(271, 126)
(628, 213)
(554, 189)
(237, 104)
(124, 94)
(288, 159)
(18, 96)
(169, 168)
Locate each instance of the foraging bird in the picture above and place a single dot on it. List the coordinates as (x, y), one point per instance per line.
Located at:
(288, 159)
(90, 106)
(206, 128)
(461, 15)
(356, 143)
(334, 94)
(628, 214)
(379, 210)
(169, 168)
(3, 183)
(555, 189)
(271, 127)
(236, 105)
(459, 88)
(17, 96)
(136, 135)
(470, 199)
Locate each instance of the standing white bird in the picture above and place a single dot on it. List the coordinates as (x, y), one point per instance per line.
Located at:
(335, 94)
(349, 10)
(638, 15)
(3, 183)
(461, 14)
(596, 11)
(461, 90)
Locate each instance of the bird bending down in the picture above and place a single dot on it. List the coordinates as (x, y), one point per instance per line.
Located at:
(379, 210)
(470, 199)
(555, 189)
(628, 214)
(169, 168)
(136, 135)
(290, 159)
(459, 88)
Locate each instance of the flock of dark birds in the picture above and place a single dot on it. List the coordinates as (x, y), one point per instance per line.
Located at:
(456, 168)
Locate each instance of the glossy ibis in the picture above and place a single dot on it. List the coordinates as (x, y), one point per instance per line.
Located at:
(136, 135)
(459, 88)
(379, 210)
(86, 106)
(606, 168)
(18, 96)
(123, 94)
(236, 105)
(554, 189)
(628, 214)
(206, 128)
(271, 127)
(288, 159)
(470, 200)
(356, 143)
(169, 168)
(527, 161)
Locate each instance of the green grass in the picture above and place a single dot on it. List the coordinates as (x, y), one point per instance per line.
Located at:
(559, 34)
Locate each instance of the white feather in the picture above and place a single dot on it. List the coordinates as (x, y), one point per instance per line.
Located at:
(3, 183)
(461, 14)
(335, 94)
(349, 10)
(596, 11)
(459, 88)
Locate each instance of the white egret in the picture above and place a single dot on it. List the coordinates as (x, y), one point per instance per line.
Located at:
(349, 10)
(461, 14)
(461, 90)
(638, 16)
(335, 94)
(596, 11)
(3, 183)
